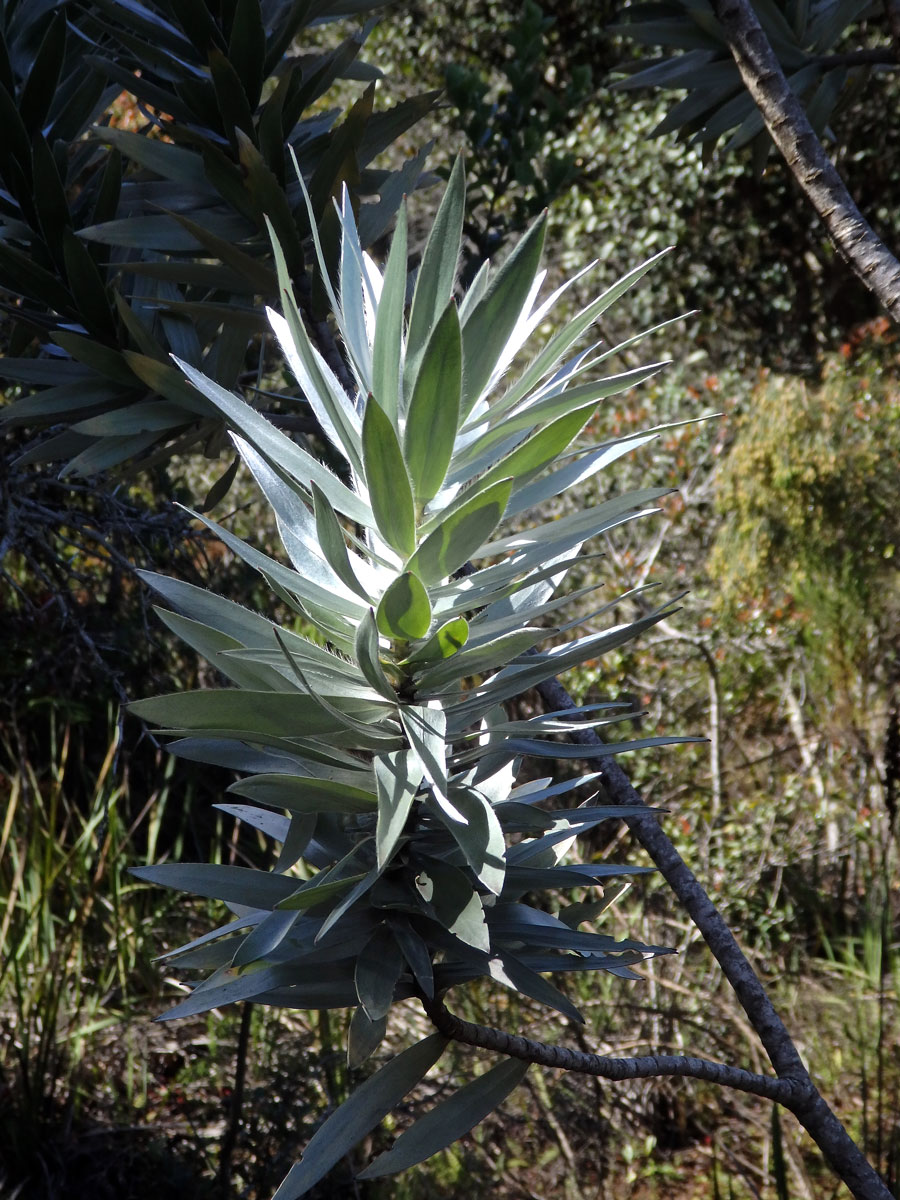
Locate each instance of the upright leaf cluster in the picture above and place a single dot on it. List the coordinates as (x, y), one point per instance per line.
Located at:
(383, 764)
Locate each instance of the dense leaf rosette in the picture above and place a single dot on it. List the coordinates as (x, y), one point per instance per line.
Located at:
(384, 765)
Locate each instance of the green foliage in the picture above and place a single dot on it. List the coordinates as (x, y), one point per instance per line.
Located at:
(517, 165)
(120, 246)
(807, 493)
(417, 856)
(803, 36)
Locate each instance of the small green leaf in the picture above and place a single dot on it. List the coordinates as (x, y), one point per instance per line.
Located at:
(450, 1120)
(404, 611)
(451, 543)
(368, 1105)
(443, 643)
(433, 417)
(387, 479)
(389, 326)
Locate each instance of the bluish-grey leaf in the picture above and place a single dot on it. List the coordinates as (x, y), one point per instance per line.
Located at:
(449, 1120)
(368, 1105)
(378, 968)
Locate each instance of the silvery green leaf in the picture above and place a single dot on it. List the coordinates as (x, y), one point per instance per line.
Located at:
(353, 282)
(278, 448)
(384, 735)
(575, 473)
(368, 1105)
(454, 539)
(279, 714)
(273, 825)
(246, 627)
(513, 680)
(493, 621)
(562, 342)
(397, 778)
(266, 937)
(437, 272)
(388, 346)
(210, 643)
(300, 833)
(331, 540)
(488, 326)
(480, 838)
(531, 746)
(426, 729)
(363, 1037)
(539, 449)
(296, 523)
(305, 795)
(432, 417)
(326, 397)
(229, 986)
(549, 408)
(508, 970)
(359, 889)
(456, 903)
(368, 655)
(390, 492)
(341, 605)
(404, 611)
(378, 969)
(236, 885)
(450, 1120)
(416, 952)
(556, 537)
(479, 660)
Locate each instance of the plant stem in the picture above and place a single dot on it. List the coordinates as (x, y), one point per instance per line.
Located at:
(787, 122)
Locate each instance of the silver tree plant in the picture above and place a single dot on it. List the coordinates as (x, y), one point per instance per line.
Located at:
(372, 732)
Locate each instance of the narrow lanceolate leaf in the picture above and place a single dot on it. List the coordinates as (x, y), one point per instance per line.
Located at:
(387, 479)
(369, 657)
(363, 1037)
(388, 345)
(331, 540)
(404, 611)
(237, 885)
(426, 729)
(437, 272)
(302, 795)
(493, 319)
(480, 839)
(450, 1120)
(432, 418)
(397, 778)
(358, 1115)
(377, 971)
(458, 535)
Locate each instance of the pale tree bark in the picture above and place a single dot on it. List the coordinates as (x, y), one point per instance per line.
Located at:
(804, 154)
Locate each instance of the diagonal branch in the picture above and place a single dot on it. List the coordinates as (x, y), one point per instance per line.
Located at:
(788, 1092)
(844, 1156)
(787, 122)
